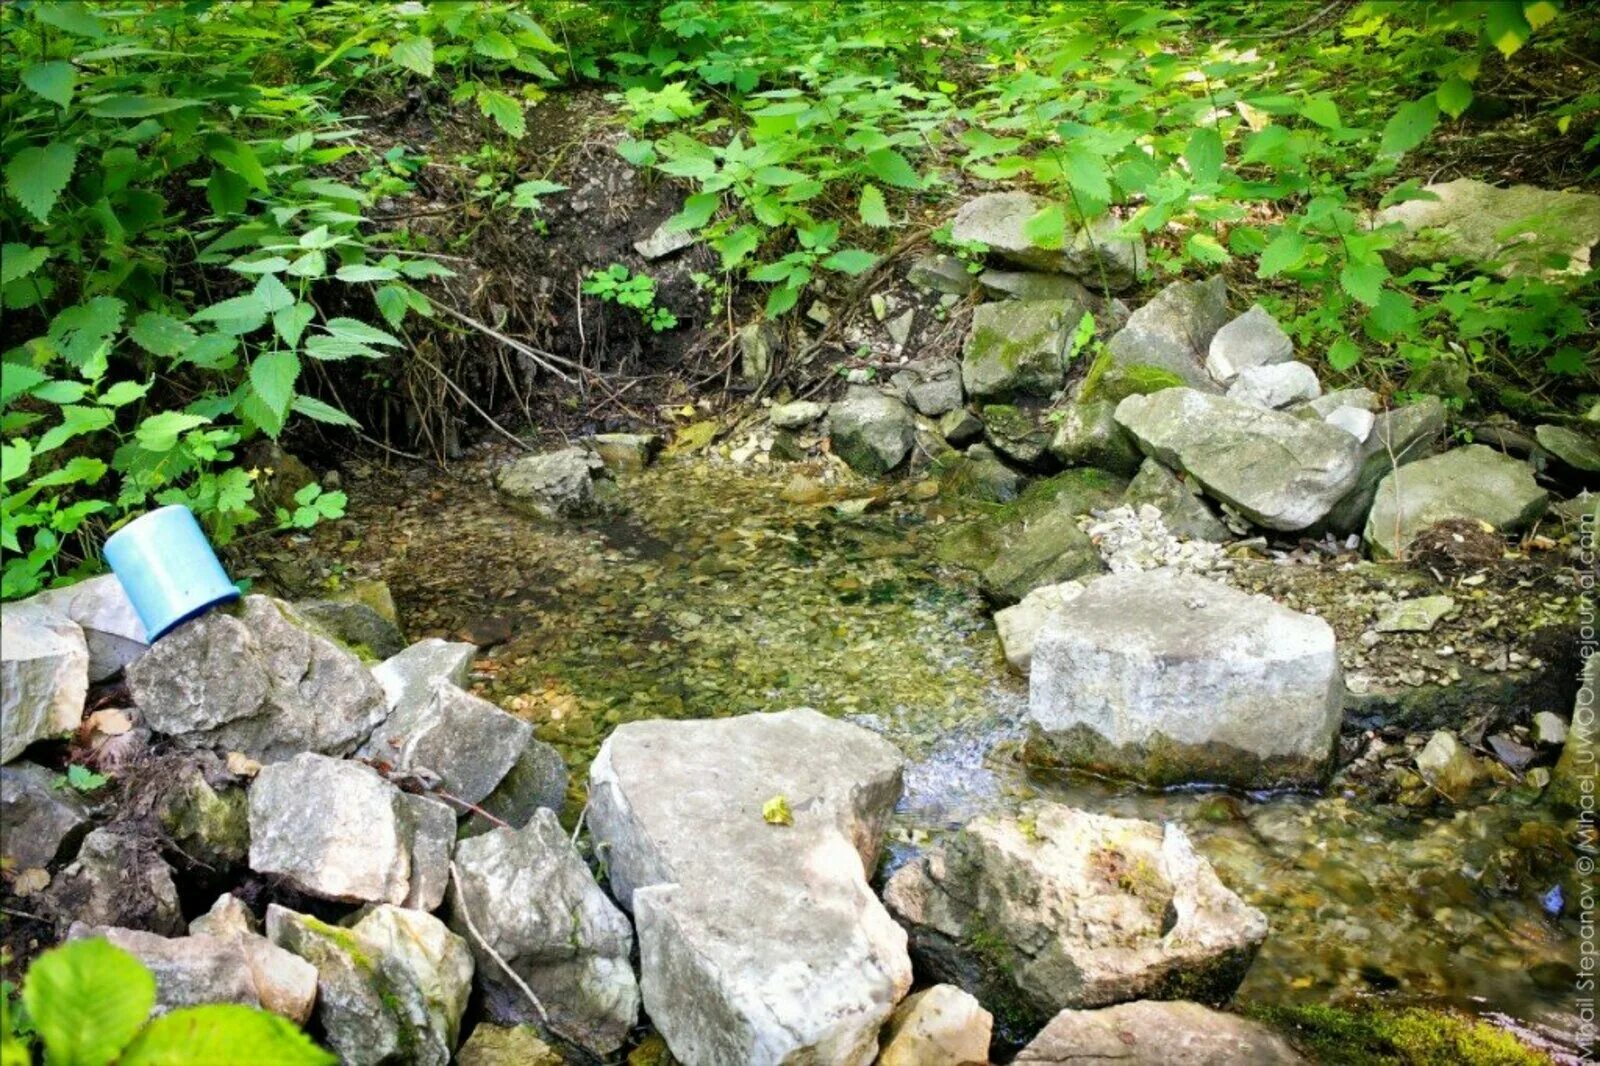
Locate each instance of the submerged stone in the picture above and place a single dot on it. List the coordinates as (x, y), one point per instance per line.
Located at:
(1150, 1033)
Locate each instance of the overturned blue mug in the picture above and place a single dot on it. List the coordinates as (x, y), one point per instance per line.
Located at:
(168, 569)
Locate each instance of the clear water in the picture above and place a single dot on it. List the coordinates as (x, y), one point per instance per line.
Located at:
(718, 593)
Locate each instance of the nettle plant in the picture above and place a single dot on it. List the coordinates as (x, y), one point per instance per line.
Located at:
(619, 285)
(176, 236)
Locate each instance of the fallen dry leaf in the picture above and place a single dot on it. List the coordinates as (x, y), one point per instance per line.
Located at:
(30, 881)
(241, 765)
(111, 722)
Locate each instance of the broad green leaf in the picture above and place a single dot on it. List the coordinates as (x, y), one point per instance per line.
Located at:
(271, 264)
(1047, 227)
(160, 432)
(874, 212)
(245, 308)
(312, 264)
(1204, 154)
(353, 330)
(1364, 280)
(318, 411)
(161, 334)
(1505, 26)
(87, 999)
(1343, 354)
(778, 176)
(737, 245)
(366, 272)
(15, 457)
(781, 299)
(18, 261)
(1454, 97)
(505, 110)
(697, 211)
(425, 268)
(53, 81)
(123, 393)
(78, 470)
(890, 166)
(227, 192)
(291, 322)
(1204, 248)
(850, 261)
(1568, 360)
(392, 304)
(1540, 12)
(241, 159)
(73, 16)
(1086, 172)
(1410, 126)
(75, 422)
(1284, 252)
(136, 106)
(495, 45)
(36, 176)
(332, 349)
(1323, 111)
(223, 1034)
(18, 378)
(272, 294)
(415, 54)
(273, 376)
(61, 392)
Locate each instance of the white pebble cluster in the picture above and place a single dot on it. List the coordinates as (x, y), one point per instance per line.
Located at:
(1132, 540)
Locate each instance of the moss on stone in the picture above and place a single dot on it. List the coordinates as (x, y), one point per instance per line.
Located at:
(1377, 1036)
(1107, 380)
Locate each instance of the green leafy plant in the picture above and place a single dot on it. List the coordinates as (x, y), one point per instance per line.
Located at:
(312, 505)
(87, 1003)
(619, 285)
(81, 779)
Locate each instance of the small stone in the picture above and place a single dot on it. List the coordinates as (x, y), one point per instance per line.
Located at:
(1353, 420)
(998, 221)
(1515, 756)
(556, 485)
(1087, 434)
(467, 742)
(409, 678)
(228, 917)
(117, 881)
(939, 1026)
(1181, 508)
(870, 431)
(1172, 332)
(663, 241)
(500, 1045)
(1151, 1033)
(626, 452)
(1549, 729)
(1251, 340)
(1419, 615)
(797, 414)
(1275, 385)
(899, 328)
(357, 626)
(1014, 348)
(1448, 766)
(42, 823)
(1018, 285)
(758, 346)
(960, 427)
(941, 273)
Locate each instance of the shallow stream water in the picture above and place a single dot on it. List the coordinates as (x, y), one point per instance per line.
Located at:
(726, 590)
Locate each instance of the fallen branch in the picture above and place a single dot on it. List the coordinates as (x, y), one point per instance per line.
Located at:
(547, 360)
(468, 400)
(466, 917)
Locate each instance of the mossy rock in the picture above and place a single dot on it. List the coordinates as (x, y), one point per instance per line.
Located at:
(1112, 382)
(1377, 1036)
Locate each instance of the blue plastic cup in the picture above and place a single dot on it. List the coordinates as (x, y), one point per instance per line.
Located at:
(168, 569)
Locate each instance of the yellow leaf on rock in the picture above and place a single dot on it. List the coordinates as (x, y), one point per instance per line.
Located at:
(776, 811)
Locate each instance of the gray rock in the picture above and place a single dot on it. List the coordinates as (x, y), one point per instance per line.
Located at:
(941, 273)
(500, 1045)
(758, 349)
(191, 971)
(1018, 625)
(980, 475)
(409, 678)
(1275, 385)
(111, 627)
(333, 829)
(1355, 421)
(1173, 332)
(44, 677)
(997, 220)
(468, 742)
(1150, 1033)
(1580, 451)
(1054, 907)
(796, 415)
(932, 386)
(391, 989)
(1400, 436)
(1088, 435)
(116, 881)
(939, 1026)
(870, 431)
(1184, 512)
(1170, 678)
(358, 626)
(1253, 339)
(1474, 482)
(1280, 471)
(899, 328)
(626, 452)
(663, 241)
(759, 943)
(1022, 285)
(433, 840)
(227, 918)
(1020, 434)
(1448, 766)
(1102, 258)
(538, 779)
(960, 427)
(530, 897)
(42, 823)
(556, 485)
(257, 679)
(1418, 615)
(1329, 402)
(1520, 230)
(1015, 348)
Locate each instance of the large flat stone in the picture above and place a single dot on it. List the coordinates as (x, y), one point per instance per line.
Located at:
(1280, 471)
(1054, 907)
(1520, 230)
(760, 943)
(1151, 1033)
(1173, 332)
(1170, 678)
(1475, 483)
(44, 677)
(998, 220)
(468, 742)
